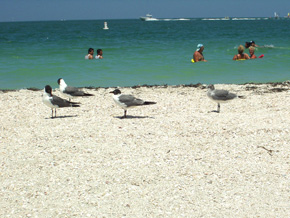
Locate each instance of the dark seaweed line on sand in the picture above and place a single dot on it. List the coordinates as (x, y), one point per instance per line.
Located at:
(250, 86)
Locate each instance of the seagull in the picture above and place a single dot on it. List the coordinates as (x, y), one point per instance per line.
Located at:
(53, 101)
(220, 96)
(128, 101)
(70, 92)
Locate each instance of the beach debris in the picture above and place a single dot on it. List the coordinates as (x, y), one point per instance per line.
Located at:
(270, 151)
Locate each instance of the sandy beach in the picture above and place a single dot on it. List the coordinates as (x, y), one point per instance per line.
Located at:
(172, 159)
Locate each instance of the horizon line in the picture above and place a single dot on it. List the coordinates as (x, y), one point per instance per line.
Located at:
(85, 19)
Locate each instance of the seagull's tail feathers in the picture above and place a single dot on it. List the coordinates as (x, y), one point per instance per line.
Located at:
(75, 105)
(88, 94)
(149, 102)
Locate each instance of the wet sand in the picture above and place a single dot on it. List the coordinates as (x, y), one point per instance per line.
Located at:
(172, 159)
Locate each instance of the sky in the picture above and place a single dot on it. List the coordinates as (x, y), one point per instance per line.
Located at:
(42, 10)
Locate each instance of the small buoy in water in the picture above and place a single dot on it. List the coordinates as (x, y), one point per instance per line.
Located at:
(105, 26)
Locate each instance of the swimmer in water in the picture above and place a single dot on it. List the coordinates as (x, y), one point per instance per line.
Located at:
(99, 54)
(90, 54)
(252, 51)
(198, 56)
(241, 55)
(247, 44)
(254, 44)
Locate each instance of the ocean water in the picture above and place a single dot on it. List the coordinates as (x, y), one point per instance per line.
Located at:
(34, 54)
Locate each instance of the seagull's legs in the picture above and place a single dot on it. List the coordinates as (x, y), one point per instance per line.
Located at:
(125, 114)
(218, 108)
(54, 113)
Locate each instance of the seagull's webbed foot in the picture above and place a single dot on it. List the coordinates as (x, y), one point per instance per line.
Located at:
(218, 109)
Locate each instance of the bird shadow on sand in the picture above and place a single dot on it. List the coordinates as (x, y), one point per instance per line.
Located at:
(214, 111)
(61, 117)
(133, 117)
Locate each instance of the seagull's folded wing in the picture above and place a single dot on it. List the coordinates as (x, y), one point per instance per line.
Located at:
(220, 94)
(61, 102)
(130, 100)
(73, 91)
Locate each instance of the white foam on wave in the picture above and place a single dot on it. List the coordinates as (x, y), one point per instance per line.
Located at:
(269, 46)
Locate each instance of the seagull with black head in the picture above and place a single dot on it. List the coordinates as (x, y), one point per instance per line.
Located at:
(54, 101)
(128, 101)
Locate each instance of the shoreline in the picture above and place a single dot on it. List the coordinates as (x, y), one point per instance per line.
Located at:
(196, 85)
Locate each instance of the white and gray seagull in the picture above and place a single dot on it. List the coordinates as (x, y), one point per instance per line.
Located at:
(128, 101)
(69, 91)
(220, 96)
(54, 102)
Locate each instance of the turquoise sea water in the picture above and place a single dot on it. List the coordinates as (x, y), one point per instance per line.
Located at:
(34, 54)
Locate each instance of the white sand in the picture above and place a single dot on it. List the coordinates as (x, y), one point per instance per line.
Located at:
(172, 159)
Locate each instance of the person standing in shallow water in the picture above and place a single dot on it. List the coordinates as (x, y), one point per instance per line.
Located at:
(198, 55)
(241, 55)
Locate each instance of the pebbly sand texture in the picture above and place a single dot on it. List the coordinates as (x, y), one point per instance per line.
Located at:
(172, 159)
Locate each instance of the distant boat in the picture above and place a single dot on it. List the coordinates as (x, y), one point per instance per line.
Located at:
(148, 17)
(226, 18)
(276, 16)
(105, 26)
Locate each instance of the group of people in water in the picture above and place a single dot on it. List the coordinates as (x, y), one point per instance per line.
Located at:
(243, 56)
(198, 55)
(90, 54)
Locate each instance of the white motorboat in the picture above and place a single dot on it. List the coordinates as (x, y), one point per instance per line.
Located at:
(148, 17)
